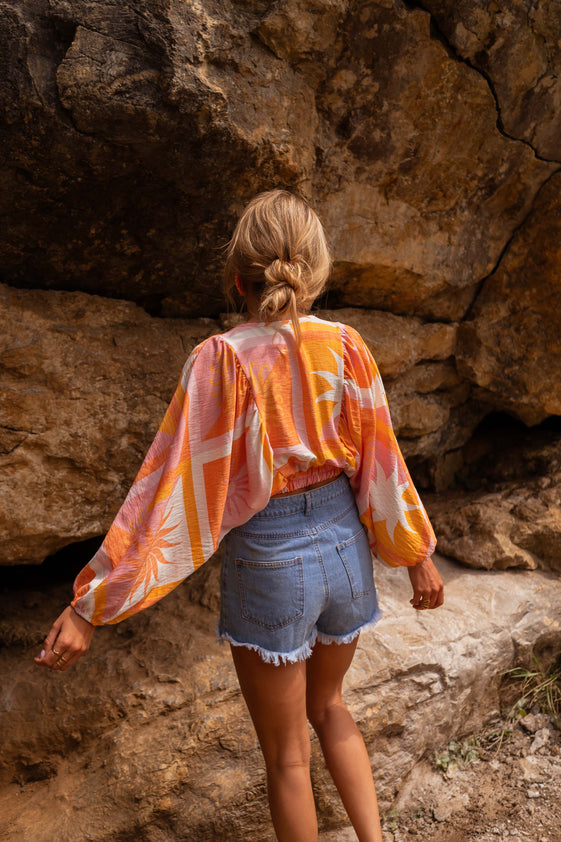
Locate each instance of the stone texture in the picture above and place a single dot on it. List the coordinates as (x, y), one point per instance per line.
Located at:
(148, 737)
(510, 346)
(517, 45)
(408, 130)
(512, 517)
(516, 528)
(133, 137)
(85, 384)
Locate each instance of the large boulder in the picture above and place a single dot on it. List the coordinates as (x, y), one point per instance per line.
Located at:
(510, 345)
(131, 140)
(148, 737)
(85, 383)
(517, 46)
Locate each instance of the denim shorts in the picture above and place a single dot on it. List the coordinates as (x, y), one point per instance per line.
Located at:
(297, 572)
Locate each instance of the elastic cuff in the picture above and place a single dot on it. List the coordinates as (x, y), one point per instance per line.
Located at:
(275, 658)
(79, 613)
(348, 638)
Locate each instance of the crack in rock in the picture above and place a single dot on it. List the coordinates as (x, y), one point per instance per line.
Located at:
(506, 247)
(438, 34)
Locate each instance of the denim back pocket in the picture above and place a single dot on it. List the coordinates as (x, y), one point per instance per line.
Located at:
(271, 592)
(357, 560)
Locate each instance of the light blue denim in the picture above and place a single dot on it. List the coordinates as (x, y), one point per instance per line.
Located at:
(297, 572)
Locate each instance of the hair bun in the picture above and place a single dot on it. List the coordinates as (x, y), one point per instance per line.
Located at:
(289, 272)
(279, 250)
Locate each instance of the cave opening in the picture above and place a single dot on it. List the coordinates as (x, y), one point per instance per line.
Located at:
(57, 569)
(503, 449)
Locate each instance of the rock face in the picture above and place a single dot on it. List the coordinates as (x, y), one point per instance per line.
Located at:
(85, 384)
(148, 737)
(518, 48)
(406, 125)
(516, 318)
(428, 136)
(132, 137)
(511, 516)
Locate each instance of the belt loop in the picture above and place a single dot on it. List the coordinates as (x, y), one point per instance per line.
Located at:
(308, 499)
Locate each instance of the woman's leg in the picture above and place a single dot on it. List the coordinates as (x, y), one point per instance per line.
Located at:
(340, 739)
(276, 699)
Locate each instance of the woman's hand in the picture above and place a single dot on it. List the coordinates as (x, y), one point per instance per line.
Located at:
(69, 638)
(428, 588)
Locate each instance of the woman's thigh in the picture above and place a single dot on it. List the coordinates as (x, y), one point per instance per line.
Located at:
(325, 671)
(276, 700)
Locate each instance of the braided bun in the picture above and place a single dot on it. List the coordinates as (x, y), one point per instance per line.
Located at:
(279, 249)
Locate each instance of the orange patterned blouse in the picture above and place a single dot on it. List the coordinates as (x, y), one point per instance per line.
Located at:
(254, 415)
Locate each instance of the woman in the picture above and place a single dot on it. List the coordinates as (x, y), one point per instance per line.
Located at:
(279, 441)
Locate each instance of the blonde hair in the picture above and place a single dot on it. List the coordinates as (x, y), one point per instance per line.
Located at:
(279, 250)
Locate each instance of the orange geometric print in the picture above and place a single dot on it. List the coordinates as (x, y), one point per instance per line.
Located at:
(255, 414)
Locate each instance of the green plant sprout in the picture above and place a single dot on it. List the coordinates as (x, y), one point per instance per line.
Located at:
(458, 755)
(540, 688)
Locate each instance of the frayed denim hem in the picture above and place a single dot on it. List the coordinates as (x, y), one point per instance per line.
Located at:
(348, 638)
(276, 658)
(302, 652)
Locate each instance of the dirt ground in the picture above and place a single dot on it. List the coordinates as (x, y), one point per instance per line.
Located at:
(487, 789)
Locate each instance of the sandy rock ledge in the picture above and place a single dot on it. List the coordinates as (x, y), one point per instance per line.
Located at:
(149, 739)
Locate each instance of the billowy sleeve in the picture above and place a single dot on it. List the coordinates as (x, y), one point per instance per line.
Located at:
(389, 506)
(208, 470)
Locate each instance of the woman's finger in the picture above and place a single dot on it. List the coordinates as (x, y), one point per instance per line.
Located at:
(50, 653)
(422, 601)
(428, 599)
(51, 657)
(439, 597)
(428, 589)
(66, 660)
(72, 653)
(52, 635)
(68, 639)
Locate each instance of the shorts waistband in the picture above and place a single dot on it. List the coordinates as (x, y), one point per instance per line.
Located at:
(305, 501)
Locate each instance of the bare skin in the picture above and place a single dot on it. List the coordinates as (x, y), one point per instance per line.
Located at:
(68, 639)
(428, 588)
(281, 700)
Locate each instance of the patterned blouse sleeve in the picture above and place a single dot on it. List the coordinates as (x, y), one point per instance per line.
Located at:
(389, 506)
(208, 470)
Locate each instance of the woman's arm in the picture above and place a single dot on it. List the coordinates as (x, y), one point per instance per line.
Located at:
(209, 469)
(390, 508)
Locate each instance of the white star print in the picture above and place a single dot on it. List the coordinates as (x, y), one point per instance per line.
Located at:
(389, 504)
(335, 381)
